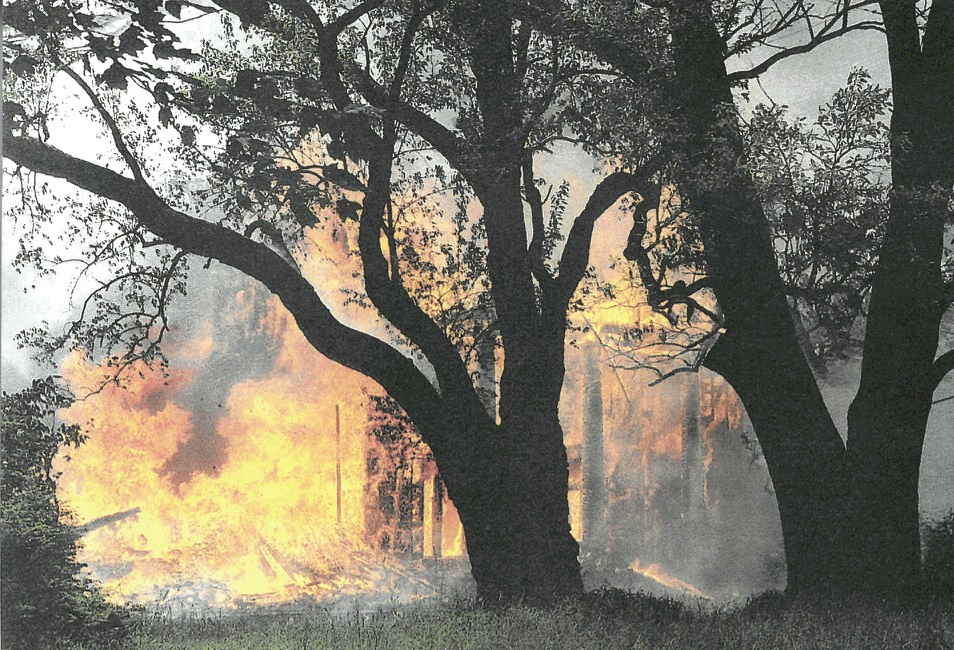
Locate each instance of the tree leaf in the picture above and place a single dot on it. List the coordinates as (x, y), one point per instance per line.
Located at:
(348, 209)
(115, 76)
(343, 178)
(24, 65)
(188, 135)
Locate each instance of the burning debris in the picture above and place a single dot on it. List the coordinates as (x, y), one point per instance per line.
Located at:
(676, 480)
(294, 506)
(107, 520)
(655, 573)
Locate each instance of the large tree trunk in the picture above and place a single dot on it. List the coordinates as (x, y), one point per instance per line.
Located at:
(887, 434)
(888, 418)
(511, 497)
(759, 353)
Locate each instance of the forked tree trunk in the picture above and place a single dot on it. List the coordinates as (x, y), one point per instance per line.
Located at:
(759, 354)
(887, 420)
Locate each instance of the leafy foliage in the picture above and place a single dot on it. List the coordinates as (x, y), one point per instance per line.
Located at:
(46, 600)
(825, 187)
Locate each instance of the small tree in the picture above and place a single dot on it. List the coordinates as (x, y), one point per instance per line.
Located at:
(45, 597)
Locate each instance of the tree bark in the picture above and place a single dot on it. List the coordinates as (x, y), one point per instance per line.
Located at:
(887, 420)
(513, 501)
(509, 487)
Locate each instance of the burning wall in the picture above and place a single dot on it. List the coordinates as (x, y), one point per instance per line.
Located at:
(233, 462)
(238, 497)
(685, 490)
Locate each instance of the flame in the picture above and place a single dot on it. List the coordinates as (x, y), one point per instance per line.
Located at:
(260, 525)
(655, 572)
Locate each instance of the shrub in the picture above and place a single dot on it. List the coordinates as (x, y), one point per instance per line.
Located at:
(45, 599)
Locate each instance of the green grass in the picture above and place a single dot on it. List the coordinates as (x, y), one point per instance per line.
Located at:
(604, 621)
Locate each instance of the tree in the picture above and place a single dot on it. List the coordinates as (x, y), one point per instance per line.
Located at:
(46, 598)
(368, 90)
(912, 290)
(845, 513)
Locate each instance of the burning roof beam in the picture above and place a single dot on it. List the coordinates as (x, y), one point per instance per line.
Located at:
(102, 522)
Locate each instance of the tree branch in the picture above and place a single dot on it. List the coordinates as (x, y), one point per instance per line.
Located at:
(342, 22)
(390, 297)
(535, 249)
(576, 252)
(764, 66)
(444, 141)
(131, 161)
(556, 19)
(349, 347)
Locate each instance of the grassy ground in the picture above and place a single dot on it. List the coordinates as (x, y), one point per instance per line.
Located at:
(604, 621)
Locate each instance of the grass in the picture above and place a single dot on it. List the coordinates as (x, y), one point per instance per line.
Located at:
(605, 621)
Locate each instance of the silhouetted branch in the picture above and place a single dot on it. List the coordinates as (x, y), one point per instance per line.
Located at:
(349, 347)
(110, 124)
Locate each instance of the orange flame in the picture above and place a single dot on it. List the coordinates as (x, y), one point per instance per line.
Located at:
(262, 524)
(655, 572)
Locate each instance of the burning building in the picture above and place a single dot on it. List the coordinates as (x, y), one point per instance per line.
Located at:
(667, 476)
(257, 471)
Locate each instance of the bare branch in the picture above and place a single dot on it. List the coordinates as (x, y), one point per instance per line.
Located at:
(764, 66)
(110, 124)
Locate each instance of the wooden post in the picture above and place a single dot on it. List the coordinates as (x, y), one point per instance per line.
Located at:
(693, 447)
(338, 460)
(594, 479)
(437, 516)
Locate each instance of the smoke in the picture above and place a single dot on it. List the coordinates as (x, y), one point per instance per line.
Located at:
(688, 500)
(237, 344)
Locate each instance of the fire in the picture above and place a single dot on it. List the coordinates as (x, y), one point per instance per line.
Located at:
(238, 499)
(655, 572)
(259, 521)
